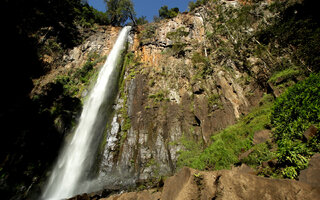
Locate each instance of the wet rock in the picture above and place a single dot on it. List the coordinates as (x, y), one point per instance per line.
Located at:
(311, 174)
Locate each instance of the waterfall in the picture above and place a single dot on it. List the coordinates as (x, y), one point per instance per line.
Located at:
(78, 155)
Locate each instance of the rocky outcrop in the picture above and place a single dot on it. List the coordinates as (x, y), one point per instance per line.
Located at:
(99, 42)
(192, 184)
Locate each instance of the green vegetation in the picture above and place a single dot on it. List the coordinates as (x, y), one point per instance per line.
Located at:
(159, 96)
(141, 20)
(260, 153)
(227, 145)
(292, 114)
(189, 156)
(80, 79)
(177, 39)
(214, 100)
(165, 13)
(285, 74)
(129, 64)
(202, 64)
(119, 11)
(148, 32)
(176, 35)
(289, 116)
(198, 3)
(87, 16)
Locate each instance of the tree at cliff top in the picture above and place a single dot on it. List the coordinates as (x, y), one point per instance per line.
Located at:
(119, 11)
(165, 13)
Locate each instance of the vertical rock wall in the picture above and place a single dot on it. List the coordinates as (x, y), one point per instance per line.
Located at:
(170, 96)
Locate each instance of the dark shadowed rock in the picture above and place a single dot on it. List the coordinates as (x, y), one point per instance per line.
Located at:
(269, 163)
(311, 175)
(81, 197)
(310, 132)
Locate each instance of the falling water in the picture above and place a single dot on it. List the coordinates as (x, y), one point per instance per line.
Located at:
(76, 158)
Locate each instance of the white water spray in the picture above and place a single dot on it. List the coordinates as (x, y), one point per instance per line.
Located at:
(75, 158)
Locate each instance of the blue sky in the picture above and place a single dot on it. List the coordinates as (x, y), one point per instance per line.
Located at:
(148, 8)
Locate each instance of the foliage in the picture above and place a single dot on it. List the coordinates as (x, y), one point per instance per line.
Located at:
(73, 84)
(176, 35)
(261, 153)
(178, 44)
(297, 28)
(189, 155)
(119, 11)
(165, 13)
(203, 65)
(129, 64)
(214, 100)
(193, 5)
(229, 143)
(87, 16)
(297, 109)
(159, 96)
(285, 74)
(141, 20)
(292, 114)
(148, 32)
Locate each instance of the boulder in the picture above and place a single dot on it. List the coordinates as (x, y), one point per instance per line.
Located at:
(311, 175)
(261, 136)
(310, 132)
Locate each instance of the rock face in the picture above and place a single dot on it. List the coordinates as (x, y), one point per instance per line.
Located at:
(224, 185)
(170, 93)
(100, 42)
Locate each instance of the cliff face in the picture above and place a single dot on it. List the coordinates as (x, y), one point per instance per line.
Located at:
(100, 42)
(183, 81)
(172, 93)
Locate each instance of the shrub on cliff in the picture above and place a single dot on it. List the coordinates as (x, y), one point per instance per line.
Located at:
(193, 5)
